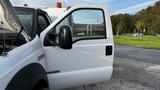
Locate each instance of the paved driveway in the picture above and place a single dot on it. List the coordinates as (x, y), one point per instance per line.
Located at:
(134, 69)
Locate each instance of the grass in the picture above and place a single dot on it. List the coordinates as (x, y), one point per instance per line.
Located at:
(147, 41)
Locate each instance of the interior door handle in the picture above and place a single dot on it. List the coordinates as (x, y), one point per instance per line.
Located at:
(109, 50)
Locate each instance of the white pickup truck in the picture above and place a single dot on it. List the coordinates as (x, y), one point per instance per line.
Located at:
(76, 49)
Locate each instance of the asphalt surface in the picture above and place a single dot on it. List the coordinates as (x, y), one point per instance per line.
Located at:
(134, 69)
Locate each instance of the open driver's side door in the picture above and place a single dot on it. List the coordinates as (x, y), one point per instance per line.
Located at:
(90, 59)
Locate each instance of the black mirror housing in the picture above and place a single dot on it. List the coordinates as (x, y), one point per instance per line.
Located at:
(65, 37)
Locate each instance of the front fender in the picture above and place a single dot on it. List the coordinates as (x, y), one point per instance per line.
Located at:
(28, 77)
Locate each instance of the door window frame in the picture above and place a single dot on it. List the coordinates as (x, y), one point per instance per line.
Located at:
(44, 15)
(103, 12)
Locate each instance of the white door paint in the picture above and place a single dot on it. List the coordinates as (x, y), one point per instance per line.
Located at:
(86, 62)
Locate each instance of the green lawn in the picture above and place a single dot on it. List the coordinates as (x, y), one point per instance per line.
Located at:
(147, 41)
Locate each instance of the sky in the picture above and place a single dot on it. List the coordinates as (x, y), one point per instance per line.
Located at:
(115, 6)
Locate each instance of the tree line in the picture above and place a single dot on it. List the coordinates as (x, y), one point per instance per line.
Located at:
(146, 21)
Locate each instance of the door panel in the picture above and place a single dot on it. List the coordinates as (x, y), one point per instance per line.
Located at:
(86, 62)
(79, 77)
(81, 56)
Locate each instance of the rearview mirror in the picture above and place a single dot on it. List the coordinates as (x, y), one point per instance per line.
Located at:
(65, 37)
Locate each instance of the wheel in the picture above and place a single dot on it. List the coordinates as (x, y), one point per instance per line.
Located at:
(41, 85)
(33, 77)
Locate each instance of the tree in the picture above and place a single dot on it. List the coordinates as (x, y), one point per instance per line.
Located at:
(155, 26)
(139, 25)
(122, 23)
(119, 28)
(148, 19)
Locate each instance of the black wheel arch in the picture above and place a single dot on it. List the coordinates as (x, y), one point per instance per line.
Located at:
(28, 78)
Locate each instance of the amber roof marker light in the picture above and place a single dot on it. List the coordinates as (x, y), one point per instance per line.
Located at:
(59, 4)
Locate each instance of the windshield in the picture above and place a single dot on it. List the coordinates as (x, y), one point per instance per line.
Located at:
(25, 15)
(12, 32)
(6, 35)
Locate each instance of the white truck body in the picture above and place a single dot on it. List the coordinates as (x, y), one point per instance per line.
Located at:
(85, 63)
(54, 13)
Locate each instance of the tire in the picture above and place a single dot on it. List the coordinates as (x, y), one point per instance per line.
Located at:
(41, 85)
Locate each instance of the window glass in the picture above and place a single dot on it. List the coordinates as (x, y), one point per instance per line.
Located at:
(88, 17)
(26, 17)
(85, 24)
(42, 24)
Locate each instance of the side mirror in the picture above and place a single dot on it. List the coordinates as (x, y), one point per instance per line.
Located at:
(65, 37)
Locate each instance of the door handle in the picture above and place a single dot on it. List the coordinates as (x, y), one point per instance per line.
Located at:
(109, 50)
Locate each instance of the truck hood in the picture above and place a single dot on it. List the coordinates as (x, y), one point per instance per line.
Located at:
(9, 19)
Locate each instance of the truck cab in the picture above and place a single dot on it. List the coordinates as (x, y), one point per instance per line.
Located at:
(76, 49)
